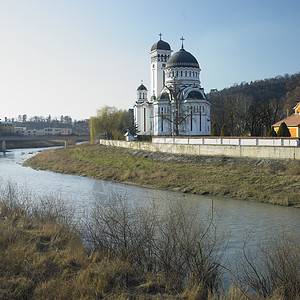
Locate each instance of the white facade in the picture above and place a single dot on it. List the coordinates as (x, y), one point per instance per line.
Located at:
(178, 104)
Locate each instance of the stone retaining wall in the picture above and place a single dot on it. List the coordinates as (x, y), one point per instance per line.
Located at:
(275, 152)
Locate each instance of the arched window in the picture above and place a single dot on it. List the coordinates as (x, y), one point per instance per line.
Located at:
(181, 73)
(185, 73)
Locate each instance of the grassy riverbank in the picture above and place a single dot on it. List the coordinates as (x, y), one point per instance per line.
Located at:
(132, 252)
(272, 181)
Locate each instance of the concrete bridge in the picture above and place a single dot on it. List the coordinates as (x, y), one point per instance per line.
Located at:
(29, 138)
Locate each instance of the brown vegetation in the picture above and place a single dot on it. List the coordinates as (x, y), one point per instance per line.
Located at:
(272, 181)
(130, 252)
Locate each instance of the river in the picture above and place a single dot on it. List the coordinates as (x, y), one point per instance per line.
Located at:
(237, 217)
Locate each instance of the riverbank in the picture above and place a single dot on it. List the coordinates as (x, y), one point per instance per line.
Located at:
(120, 251)
(35, 144)
(264, 180)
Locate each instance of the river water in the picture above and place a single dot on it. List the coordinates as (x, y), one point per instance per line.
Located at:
(237, 217)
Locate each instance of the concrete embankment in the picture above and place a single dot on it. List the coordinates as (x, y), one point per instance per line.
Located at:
(273, 152)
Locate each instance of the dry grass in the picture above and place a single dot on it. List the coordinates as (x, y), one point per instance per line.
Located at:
(276, 183)
(42, 257)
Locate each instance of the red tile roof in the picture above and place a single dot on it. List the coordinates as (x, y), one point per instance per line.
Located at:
(291, 121)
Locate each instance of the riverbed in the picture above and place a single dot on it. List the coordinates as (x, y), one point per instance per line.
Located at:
(239, 218)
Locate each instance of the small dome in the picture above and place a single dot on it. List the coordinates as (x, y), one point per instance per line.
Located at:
(141, 88)
(161, 45)
(182, 58)
(164, 96)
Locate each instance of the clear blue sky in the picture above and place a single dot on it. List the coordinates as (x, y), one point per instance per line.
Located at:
(71, 57)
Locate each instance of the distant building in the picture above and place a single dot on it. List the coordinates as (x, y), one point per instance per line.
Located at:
(44, 131)
(7, 128)
(292, 122)
(177, 101)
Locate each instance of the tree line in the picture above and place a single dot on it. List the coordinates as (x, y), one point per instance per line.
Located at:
(252, 108)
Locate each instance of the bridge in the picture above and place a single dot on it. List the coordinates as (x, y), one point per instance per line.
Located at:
(30, 138)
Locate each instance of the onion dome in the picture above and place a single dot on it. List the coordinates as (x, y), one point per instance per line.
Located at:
(141, 88)
(161, 45)
(182, 58)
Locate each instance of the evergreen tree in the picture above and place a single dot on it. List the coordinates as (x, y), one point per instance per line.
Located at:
(283, 130)
(272, 132)
(224, 131)
(214, 129)
(132, 127)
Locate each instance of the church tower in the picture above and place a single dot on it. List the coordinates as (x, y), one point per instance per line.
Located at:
(160, 54)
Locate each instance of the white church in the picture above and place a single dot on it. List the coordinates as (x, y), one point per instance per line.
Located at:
(177, 104)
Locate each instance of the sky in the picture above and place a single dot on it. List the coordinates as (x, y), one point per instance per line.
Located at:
(72, 57)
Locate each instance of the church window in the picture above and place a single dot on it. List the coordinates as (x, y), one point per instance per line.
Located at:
(144, 119)
(190, 73)
(140, 95)
(193, 74)
(176, 73)
(153, 66)
(203, 108)
(191, 120)
(181, 73)
(185, 73)
(172, 73)
(200, 122)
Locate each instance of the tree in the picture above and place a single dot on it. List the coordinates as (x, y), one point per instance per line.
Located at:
(272, 132)
(110, 122)
(214, 129)
(178, 113)
(132, 127)
(224, 131)
(283, 130)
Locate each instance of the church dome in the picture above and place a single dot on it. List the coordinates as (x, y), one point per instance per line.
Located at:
(182, 58)
(161, 45)
(141, 88)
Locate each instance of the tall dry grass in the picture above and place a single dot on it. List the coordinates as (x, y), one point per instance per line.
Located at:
(130, 252)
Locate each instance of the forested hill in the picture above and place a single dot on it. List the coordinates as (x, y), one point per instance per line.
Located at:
(251, 108)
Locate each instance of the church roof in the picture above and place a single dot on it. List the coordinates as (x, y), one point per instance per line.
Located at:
(161, 45)
(182, 58)
(291, 121)
(195, 95)
(142, 88)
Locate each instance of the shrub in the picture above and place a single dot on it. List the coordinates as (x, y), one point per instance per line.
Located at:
(283, 130)
(224, 131)
(273, 268)
(272, 132)
(214, 129)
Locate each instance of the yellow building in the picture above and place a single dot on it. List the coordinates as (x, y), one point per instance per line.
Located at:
(292, 122)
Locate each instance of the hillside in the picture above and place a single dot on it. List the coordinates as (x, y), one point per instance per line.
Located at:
(252, 108)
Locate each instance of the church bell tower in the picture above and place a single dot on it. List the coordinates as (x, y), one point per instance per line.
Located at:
(159, 54)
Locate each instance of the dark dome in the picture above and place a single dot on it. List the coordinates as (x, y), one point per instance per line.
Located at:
(195, 95)
(142, 88)
(182, 58)
(161, 45)
(164, 96)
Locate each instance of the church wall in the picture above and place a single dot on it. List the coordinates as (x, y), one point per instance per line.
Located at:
(273, 152)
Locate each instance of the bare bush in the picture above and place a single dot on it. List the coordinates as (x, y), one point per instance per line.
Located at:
(273, 268)
(169, 241)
